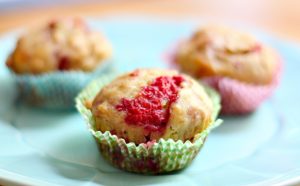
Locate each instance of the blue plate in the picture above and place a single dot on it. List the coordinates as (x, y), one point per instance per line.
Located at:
(39, 147)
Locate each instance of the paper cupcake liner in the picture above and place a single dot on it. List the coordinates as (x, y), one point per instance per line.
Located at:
(152, 157)
(236, 97)
(56, 90)
(242, 98)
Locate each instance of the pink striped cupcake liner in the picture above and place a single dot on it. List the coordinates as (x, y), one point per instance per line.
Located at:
(236, 97)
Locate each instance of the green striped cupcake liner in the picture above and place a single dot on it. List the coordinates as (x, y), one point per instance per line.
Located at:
(153, 157)
(56, 90)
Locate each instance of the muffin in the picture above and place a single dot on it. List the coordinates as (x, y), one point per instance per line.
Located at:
(144, 119)
(63, 50)
(243, 70)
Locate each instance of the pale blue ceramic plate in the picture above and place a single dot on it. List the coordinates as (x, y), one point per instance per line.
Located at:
(39, 147)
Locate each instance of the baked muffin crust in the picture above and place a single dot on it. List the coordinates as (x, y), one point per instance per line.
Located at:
(221, 51)
(168, 105)
(59, 45)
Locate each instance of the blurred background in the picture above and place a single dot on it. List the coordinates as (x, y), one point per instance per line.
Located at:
(280, 17)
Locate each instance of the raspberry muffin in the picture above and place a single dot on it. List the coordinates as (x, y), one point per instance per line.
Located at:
(147, 113)
(57, 51)
(244, 70)
(60, 45)
(147, 105)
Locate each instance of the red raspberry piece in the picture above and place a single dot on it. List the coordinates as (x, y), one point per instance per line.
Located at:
(151, 107)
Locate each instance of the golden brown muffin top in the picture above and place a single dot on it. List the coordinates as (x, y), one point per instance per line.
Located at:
(222, 51)
(150, 104)
(59, 45)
